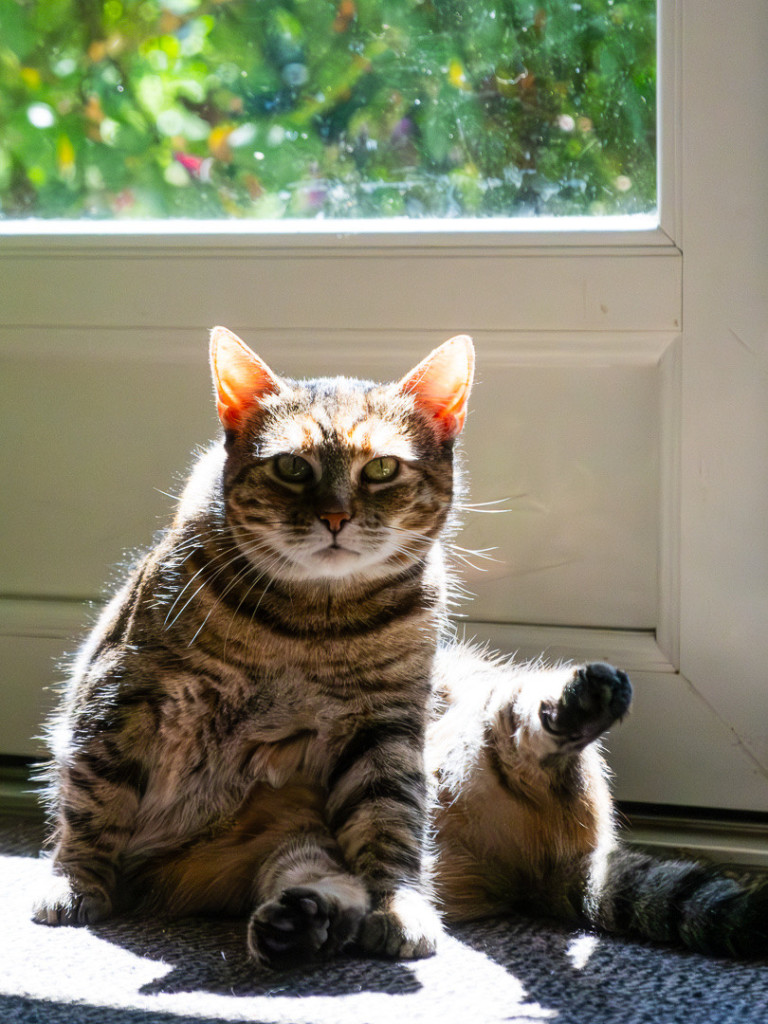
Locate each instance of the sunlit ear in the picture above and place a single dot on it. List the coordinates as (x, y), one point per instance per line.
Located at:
(241, 379)
(440, 384)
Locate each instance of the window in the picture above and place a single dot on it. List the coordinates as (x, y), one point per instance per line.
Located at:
(327, 108)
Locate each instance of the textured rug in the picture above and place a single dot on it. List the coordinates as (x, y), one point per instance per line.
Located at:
(196, 972)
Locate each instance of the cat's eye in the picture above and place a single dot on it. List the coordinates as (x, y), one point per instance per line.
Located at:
(293, 469)
(378, 471)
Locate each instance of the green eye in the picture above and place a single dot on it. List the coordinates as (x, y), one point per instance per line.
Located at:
(293, 469)
(377, 471)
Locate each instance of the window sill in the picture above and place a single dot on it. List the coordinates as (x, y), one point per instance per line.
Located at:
(477, 236)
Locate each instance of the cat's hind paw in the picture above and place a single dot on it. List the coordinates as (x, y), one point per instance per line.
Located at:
(596, 696)
(302, 924)
(406, 927)
(62, 905)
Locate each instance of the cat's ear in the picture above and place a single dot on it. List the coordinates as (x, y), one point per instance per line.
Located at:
(440, 384)
(241, 379)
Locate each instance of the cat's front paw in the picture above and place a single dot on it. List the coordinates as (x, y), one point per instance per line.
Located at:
(60, 904)
(405, 927)
(596, 696)
(302, 924)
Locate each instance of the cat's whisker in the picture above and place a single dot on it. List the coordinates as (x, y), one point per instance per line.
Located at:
(261, 572)
(255, 547)
(167, 494)
(465, 555)
(419, 541)
(478, 552)
(166, 623)
(181, 553)
(466, 561)
(236, 579)
(493, 501)
(266, 571)
(206, 582)
(484, 508)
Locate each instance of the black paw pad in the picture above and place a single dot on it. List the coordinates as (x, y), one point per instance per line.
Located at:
(602, 688)
(300, 926)
(596, 696)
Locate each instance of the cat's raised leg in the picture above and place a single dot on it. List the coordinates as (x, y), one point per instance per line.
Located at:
(523, 815)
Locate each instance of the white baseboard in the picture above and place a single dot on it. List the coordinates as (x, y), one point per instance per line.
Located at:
(743, 843)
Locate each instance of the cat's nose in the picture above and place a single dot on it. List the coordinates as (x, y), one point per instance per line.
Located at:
(334, 520)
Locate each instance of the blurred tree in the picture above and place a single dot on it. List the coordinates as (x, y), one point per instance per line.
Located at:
(326, 108)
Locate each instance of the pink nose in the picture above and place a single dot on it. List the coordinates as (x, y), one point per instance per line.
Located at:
(334, 520)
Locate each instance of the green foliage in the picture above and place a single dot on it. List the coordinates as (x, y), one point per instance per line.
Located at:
(332, 108)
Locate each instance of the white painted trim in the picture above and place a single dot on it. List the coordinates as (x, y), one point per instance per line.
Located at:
(721, 842)
(669, 114)
(292, 290)
(186, 345)
(632, 650)
(631, 231)
(670, 428)
(42, 618)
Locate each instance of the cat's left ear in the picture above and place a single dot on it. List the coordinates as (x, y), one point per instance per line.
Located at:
(440, 384)
(241, 379)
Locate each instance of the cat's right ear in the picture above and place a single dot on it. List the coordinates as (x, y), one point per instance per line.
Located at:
(241, 379)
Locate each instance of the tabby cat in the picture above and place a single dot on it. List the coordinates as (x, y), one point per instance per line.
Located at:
(245, 730)
(263, 680)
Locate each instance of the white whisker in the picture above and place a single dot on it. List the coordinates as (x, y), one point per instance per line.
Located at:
(202, 586)
(232, 583)
(482, 506)
(477, 553)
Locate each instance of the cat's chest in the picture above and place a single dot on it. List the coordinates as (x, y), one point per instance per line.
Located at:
(216, 741)
(240, 705)
(291, 725)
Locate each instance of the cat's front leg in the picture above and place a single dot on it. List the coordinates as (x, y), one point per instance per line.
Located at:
(312, 921)
(404, 925)
(83, 888)
(308, 905)
(377, 812)
(73, 901)
(99, 790)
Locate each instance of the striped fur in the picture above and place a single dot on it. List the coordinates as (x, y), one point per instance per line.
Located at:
(524, 819)
(254, 700)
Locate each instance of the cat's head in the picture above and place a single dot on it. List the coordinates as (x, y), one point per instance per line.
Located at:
(332, 478)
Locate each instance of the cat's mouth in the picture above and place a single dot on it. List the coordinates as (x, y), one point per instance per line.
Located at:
(335, 550)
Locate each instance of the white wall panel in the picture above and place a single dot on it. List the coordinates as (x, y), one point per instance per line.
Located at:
(564, 437)
(339, 289)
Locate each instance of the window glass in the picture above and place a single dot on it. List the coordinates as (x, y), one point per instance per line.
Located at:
(326, 108)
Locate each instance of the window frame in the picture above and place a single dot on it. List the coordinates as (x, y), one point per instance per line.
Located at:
(657, 229)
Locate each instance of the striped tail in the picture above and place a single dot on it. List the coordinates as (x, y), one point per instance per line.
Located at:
(684, 902)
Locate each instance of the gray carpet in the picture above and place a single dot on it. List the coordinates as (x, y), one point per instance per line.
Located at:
(195, 972)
